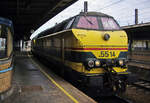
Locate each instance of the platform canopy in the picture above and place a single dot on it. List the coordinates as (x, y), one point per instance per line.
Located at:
(28, 15)
(138, 31)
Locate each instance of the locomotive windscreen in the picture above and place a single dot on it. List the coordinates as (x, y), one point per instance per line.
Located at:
(97, 23)
(109, 24)
(88, 22)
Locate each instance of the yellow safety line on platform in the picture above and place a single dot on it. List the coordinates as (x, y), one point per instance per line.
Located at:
(53, 81)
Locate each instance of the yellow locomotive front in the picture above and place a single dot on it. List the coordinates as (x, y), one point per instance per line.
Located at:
(100, 52)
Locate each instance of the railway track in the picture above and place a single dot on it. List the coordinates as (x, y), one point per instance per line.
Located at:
(140, 62)
(143, 84)
(112, 99)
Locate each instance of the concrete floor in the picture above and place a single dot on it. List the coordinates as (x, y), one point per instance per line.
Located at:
(31, 86)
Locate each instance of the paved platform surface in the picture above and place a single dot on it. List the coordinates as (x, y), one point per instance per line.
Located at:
(32, 84)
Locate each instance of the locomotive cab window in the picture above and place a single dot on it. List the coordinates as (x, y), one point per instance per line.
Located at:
(97, 23)
(88, 22)
(109, 23)
(70, 23)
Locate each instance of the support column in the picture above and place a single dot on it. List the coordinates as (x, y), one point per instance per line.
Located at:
(146, 45)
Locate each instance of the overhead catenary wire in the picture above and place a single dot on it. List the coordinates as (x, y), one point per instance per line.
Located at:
(114, 3)
(130, 18)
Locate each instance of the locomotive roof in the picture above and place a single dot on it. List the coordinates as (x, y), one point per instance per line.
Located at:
(94, 14)
(81, 13)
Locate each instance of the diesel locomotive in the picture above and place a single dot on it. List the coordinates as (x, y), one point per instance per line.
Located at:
(90, 48)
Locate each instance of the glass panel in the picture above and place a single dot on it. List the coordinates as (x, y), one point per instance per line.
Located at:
(3, 50)
(9, 42)
(0, 29)
(109, 24)
(88, 22)
(69, 24)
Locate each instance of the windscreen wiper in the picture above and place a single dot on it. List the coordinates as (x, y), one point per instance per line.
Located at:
(88, 20)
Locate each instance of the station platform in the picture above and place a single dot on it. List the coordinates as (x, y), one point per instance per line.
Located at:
(140, 59)
(35, 83)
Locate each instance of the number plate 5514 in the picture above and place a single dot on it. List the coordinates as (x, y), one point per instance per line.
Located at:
(107, 54)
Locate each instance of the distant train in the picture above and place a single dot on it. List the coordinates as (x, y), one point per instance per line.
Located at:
(6, 55)
(90, 48)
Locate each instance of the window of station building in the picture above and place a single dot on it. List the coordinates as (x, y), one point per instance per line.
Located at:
(5, 42)
(3, 37)
(109, 23)
(88, 22)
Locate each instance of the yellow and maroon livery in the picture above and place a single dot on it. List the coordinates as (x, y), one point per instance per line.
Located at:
(90, 47)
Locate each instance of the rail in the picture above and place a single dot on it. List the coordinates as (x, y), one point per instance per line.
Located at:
(143, 84)
(113, 99)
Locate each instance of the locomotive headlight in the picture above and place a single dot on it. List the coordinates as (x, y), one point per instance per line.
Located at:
(106, 37)
(91, 63)
(121, 63)
(97, 63)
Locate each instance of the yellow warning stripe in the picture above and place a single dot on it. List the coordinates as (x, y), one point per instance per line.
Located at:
(53, 81)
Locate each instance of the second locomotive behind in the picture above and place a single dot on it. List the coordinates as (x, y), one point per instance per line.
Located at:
(90, 48)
